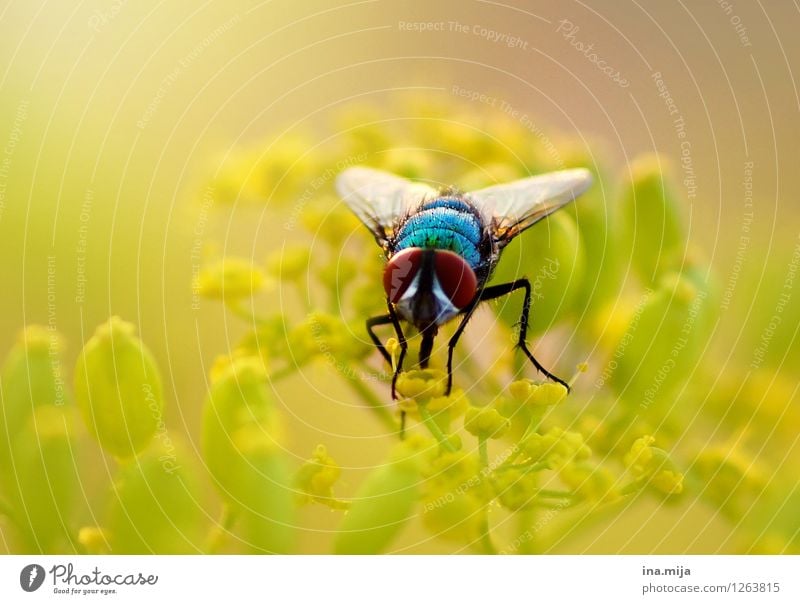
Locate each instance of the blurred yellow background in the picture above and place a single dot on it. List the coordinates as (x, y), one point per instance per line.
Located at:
(117, 114)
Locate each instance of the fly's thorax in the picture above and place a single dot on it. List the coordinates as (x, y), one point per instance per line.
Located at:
(428, 286)
(445, 223)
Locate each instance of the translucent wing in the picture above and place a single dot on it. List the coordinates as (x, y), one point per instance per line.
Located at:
(513, 207)
(380, 199)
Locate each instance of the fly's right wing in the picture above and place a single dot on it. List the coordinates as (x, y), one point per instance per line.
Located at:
(513, 207)
(380, 199)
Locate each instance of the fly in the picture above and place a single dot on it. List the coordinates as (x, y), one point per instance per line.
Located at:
(442, 245)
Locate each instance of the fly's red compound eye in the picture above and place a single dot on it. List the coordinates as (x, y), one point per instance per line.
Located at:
(400, 272)
(456, 277)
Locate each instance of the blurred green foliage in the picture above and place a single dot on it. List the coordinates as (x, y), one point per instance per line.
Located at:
(618, 294)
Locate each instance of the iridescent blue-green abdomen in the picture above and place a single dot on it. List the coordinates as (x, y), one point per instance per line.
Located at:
(445, 224)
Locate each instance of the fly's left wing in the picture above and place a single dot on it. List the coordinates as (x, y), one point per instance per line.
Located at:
(513, 207)
(380, 199)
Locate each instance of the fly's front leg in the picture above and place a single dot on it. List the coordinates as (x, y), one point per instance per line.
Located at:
(503, 289)
(401, 339)
(389, 319)
(451, 345)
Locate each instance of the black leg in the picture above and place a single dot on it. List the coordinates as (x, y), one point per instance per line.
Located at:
(373, 322)
(451, 345)
(390, 319)
(496, 291)
(401, 338)
(491, 293)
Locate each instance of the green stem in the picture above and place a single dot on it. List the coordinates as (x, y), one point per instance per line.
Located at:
(486, 538)
(555, 494)
(435, 430)
(526, 542)
(219, 532)
(533, 426)
(531, 466)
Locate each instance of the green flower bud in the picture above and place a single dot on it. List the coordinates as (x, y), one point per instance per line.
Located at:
(551, 256)
(651, 219)
(422, 384)
(32, 377)
(118, 389)
(316, 477)
(382, 507)
(154, 506)
(555, 447)
(662, 343)
(640, 456)
(241, 449)
(486, 422)
(229, 279)
(44, 491)
(538, 395)
(645, 461)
